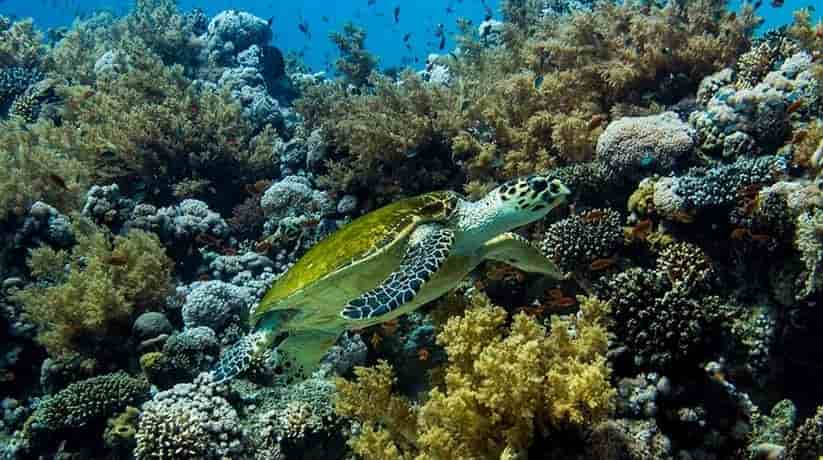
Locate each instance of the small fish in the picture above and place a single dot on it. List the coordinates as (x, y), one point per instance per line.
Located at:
(396, 14)
(442, 43)
(758, 4)
(372, 2)
(449, 10)
(58, 181)
(776, 3)
(270, 21)
(602, 264)
(794, 106)
(538, 81)
(324, 19)
(117, 260)
(303, 26)
(423, 354)
(593, 216)
(406, 37)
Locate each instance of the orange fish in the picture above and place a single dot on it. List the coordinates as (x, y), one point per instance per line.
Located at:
(390, 327)
(593, 216)
(375, 340)
(794, 106)
(602, 264)
(563, 302)
(739, 233)
(423, 354)
(117, 259)
(642, 229)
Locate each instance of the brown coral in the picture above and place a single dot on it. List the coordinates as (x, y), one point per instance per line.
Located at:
(105, 283)
(501, 383)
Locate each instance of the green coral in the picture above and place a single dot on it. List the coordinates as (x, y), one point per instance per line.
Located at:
(355, 63)
(806, 443)
(120, 430)
(501, 383)
(83, 403)
(20, 44)
(91, 303)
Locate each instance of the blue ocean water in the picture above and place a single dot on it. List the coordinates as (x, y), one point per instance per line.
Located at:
(419, 18)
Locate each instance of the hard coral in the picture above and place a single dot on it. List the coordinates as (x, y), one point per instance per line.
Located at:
(575, 242)
(633, 146)
(84, 403)
(190, 421)
(501, 383)
(20, 44)
(662, 325)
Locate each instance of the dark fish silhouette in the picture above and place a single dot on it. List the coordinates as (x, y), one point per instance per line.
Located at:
(777, 3)
(324, 19)
(442, 42)
(396, 14)
(449, 10)
(372, 2)
(303, 26)
(406, 37)
(270, 21)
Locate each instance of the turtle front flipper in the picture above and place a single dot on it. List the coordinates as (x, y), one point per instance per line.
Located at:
(299, 355)
(428, 248)
(517, 251)
(240, 356)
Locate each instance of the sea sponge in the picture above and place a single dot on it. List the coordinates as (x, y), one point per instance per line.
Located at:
(501, 383)
(92, 302)
(83, 403)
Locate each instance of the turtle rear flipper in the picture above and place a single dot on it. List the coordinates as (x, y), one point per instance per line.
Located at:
(299, 355)
(239, 357)
(518, 252)
(428, 248)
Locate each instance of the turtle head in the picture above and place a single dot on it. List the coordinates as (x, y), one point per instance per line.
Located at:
(524, 200)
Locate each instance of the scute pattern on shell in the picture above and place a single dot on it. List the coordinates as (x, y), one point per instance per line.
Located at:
(358, 241)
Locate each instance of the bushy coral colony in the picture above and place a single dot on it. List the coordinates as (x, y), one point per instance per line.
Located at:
(161, 170)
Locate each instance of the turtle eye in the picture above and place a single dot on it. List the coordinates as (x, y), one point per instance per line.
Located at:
(554, 188)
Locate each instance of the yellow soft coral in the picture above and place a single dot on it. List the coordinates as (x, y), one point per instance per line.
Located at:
(79, 309)
(502, 382)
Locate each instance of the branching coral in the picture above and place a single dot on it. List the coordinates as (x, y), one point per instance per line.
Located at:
(501, 384)
(96, 295)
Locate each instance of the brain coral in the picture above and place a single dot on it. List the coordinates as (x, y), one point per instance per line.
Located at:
(631, 146)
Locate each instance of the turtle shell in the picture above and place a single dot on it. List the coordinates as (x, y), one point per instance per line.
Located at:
(348, 248)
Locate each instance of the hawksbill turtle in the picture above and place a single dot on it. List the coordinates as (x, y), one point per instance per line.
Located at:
(387, 263)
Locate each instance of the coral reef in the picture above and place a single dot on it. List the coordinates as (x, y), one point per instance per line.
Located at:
(83, 403)
(82, 307)
(500, 384)
(189, 421)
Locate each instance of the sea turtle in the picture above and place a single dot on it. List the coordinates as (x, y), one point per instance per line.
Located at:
(387, 263)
